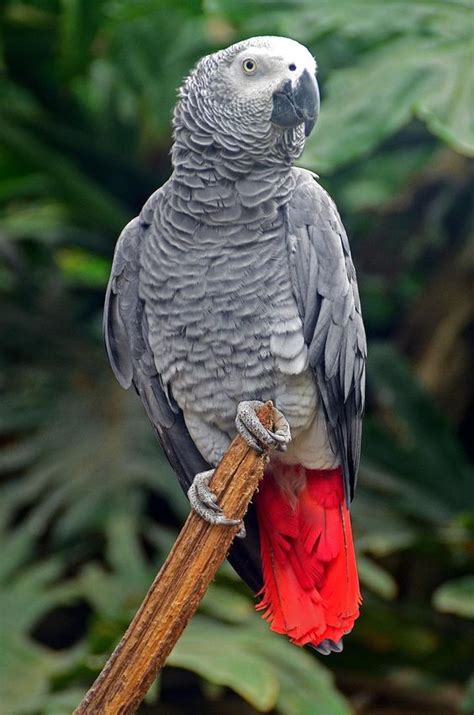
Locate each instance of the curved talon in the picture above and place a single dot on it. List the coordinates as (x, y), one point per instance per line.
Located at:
(282, 431)
(278, 437)
(248, 436)
(200, 487)
(203, 502)
(255, 434)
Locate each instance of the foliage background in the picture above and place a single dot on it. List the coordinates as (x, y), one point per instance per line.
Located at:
(88, 507)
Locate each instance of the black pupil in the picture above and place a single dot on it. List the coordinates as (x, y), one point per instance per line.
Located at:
(249, 65)
(292, 67)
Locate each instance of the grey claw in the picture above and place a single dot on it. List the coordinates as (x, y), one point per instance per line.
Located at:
(200, 489)
(278, 437)
(223, 521)
(248, 437)
(203, 501)
(282, 432)
(252, 430)
(280, 441)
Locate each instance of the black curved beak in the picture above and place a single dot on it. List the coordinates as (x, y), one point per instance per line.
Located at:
(298, 104)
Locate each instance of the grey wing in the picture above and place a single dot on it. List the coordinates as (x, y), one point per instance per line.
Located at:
(130, 355)
(325, 288)
(132, 360)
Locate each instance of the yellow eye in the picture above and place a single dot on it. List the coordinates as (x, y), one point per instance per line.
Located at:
(249, 65)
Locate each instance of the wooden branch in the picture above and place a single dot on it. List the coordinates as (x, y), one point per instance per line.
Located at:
(178, 588)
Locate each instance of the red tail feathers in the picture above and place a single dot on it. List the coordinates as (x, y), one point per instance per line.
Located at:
(311, 587)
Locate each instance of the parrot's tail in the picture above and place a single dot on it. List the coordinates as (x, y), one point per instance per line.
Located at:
(311, 587)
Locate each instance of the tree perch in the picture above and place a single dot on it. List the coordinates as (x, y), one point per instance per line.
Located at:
(178, 588)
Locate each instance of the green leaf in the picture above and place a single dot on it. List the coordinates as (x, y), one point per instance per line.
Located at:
(27, 592)
(25, 672)
(380, 529)
(262, 667)
(456, 596)
(218, 654)
(305, 684)
(227, 604)
(106, 455)
(116, 593)
(79, 22)
(376, 578)
(429, 78)
(36, 220)
(63, 703)
(95, 204)
(369, 185)
(144, 80)
(82, 267)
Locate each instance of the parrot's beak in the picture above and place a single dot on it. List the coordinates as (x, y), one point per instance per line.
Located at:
(297, 104)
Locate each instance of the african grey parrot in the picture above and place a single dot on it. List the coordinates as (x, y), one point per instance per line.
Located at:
(235, 285)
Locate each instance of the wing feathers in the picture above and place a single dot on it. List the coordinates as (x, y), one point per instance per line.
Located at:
(325, 287)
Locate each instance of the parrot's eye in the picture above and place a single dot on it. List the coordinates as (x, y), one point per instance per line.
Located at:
(249, 66)
(292, 67)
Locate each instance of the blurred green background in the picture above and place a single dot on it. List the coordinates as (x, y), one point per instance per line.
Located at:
(88, 506)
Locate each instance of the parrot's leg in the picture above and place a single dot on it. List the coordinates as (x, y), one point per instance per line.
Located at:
(203, 502)
(255, 434)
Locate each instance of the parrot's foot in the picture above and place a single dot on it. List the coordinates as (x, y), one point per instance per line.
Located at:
(255, 434)
(203, 502)
(328, 646)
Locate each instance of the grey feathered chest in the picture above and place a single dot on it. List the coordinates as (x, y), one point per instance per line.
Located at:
(223, 321)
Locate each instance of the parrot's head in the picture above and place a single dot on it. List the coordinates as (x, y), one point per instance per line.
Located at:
(261, 92)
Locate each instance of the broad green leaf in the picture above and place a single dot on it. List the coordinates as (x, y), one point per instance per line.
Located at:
(62, 703)
(376, 578)
(456, 597)
(25, 673)
(262, 667)
(367, 18)
(428, 78)
(218, 654)
(115, 594)
(306, 686)
(227, 604)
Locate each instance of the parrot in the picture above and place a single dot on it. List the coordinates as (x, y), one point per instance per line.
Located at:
(234, 286)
